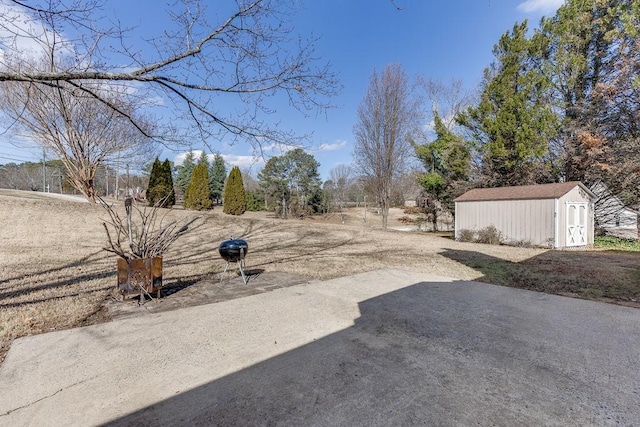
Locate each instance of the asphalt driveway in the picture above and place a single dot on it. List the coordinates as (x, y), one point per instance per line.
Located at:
(388, 347)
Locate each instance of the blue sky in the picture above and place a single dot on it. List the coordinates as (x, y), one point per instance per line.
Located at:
(441, 40)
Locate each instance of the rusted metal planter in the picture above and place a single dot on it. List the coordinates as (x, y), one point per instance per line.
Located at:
(140, 276)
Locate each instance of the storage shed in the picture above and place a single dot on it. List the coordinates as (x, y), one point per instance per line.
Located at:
(549, 215)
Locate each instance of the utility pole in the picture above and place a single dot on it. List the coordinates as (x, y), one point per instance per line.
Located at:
(128, 183)
(117, 176)
(44, 171)
(106, 174)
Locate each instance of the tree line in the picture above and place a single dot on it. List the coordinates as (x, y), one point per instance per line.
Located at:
(559, 103)
(90, 90)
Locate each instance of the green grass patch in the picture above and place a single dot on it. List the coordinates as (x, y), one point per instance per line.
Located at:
(616, 243)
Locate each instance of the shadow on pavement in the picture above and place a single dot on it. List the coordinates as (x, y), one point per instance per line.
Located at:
(436, 354)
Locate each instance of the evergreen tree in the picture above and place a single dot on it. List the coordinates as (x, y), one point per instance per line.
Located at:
(292, 180)
(167, 180)
(197, 195)
(154, 180)
(185, 170)
(514, 120)
(217, 175)
(447, 161)
(255, 201)
(160, 190)
(592, 52)
(235, 199)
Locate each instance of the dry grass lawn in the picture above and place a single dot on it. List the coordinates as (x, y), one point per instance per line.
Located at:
(55, 275)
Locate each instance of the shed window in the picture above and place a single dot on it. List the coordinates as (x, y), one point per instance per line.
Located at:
(582, 209)
(572, 215)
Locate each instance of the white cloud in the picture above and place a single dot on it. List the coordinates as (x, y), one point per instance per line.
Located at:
(541, 6)
(25, 35)
(276, 149)
(331, 147)
(243, 162)
(177, 161)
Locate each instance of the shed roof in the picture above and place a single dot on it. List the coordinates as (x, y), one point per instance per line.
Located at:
(522, 192)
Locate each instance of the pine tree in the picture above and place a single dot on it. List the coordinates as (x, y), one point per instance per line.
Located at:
(185, 170)
(235, 199)
(291, 178)
(255, 201)
(197, 196)
(217, 175)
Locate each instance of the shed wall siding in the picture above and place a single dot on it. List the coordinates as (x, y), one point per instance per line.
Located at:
(518, 220)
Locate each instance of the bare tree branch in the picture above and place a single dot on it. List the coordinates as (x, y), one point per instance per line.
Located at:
(251, 55)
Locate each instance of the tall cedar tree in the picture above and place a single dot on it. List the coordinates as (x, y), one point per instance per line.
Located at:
(514, 121)
(154, 181)
(167, 181)
(197, 195)
(235, 199)
(153, 177)
(160, 190)
(217, 175)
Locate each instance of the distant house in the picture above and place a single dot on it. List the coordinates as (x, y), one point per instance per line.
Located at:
(549, 215)
(612, 217)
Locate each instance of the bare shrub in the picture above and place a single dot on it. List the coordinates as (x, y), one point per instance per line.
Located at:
(467, 236)
(147, 237)
(522, 244)
(412, 210)
(406, 220)
(490, 235)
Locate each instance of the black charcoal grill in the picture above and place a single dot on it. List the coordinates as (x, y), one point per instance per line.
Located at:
(234, 250)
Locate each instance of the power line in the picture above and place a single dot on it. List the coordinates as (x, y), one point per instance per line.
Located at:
(17, 160)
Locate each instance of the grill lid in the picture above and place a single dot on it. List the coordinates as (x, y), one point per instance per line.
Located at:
(233, 249)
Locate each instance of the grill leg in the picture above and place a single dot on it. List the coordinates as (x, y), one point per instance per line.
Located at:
(224, 272)
(240, 265)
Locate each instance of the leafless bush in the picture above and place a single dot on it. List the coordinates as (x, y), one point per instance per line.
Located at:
(490, 235)
(146, 237)
(406, 220)
(522, 244)
(467, 236)
(412, 210)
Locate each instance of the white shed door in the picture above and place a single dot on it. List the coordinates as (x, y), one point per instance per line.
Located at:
(576, 224)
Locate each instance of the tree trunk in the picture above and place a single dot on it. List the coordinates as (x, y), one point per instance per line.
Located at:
(284, 206)
(384, 208)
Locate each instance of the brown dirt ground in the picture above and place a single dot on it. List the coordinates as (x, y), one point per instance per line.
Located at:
(54, 274)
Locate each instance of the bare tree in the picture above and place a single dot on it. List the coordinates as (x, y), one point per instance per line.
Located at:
(387, 116)
(82, 131)
(342, 177)
(196, 68)
(24, 176)
(446, 99)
